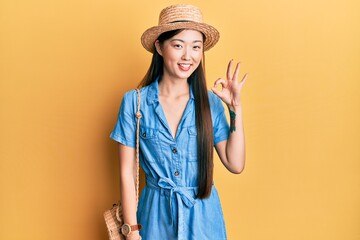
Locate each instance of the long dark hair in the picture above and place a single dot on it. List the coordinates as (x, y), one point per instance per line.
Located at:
(203, 122)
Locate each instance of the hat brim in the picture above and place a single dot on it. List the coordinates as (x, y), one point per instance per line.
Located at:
(150, 35)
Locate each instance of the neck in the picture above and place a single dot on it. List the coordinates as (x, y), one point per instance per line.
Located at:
(173, 87)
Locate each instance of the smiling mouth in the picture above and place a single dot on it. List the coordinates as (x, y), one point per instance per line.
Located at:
(184, 66)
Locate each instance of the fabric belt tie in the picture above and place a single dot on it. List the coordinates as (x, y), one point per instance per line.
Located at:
(181, 194)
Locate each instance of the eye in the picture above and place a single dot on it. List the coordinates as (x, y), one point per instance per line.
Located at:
(197, 47)
(177, 46)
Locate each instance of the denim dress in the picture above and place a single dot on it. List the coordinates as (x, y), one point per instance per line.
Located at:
(168, 208)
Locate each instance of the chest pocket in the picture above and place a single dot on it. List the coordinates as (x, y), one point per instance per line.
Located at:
(192, 150)
(150, 145)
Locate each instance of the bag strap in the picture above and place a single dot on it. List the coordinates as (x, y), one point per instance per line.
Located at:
(138, 116)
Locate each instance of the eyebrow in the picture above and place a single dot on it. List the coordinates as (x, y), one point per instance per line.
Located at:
(180, 40)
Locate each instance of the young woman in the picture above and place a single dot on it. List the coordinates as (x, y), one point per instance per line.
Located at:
(181, 124)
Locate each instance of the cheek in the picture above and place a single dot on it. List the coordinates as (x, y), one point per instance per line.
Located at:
(170, 57)
(198, 56)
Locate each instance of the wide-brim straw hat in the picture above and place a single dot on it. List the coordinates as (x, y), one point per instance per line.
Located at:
(180, 16)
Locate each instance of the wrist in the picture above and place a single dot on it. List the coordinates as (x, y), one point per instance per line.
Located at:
(235, 108)
(234, 113)
(130, 230)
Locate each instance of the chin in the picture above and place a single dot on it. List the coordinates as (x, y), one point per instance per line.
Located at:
(185, 75)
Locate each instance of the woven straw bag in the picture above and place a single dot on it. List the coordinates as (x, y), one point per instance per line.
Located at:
(114, 216)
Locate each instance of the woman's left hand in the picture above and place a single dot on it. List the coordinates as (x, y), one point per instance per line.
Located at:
(231, 87)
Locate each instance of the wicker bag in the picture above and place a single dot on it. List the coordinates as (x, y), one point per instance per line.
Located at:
(114, 216)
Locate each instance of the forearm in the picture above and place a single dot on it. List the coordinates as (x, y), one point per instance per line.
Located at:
(235, 147)
(128, 198)
(128, 188)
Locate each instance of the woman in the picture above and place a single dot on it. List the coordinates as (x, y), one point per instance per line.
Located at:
(181, 124)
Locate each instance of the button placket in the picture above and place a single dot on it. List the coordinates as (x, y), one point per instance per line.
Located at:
(174, 152)
(175, 157)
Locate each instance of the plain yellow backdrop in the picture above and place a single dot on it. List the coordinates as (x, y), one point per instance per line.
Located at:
(64, 66)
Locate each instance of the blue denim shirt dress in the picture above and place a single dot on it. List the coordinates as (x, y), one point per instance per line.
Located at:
(168, 208)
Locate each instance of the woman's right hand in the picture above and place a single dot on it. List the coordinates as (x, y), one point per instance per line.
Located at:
(135, 235)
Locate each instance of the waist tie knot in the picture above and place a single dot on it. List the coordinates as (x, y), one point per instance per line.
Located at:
(183, 192)
(182, 196)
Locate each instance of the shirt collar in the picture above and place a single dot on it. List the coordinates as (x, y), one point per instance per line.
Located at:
(153, 93)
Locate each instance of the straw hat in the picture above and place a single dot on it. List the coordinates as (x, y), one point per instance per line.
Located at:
(180, 16)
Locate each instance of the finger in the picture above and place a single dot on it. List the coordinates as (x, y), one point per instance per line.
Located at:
(221, 81)
(218, 92)
(244, 79)
(228, 73)
(236, 73)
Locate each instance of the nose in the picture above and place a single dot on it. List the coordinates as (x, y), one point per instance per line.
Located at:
(186, 54)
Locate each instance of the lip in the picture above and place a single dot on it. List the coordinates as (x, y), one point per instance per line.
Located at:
(184, 66)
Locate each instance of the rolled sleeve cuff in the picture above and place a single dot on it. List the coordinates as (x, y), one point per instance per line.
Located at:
(122, 140)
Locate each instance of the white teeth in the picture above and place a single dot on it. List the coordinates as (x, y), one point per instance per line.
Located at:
(184, 65)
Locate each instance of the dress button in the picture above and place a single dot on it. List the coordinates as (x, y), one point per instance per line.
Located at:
(144, 134)
(177, 173)
(174, 150)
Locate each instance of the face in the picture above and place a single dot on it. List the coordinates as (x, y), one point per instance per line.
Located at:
(182, 54)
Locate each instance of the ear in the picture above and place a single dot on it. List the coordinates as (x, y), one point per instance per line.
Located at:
(158, 47)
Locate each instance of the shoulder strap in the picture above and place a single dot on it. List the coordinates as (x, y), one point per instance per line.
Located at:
(138, 116)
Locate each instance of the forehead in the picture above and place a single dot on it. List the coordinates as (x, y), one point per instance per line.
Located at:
(188, 35)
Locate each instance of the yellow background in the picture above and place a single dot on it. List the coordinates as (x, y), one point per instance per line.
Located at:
(65, 64)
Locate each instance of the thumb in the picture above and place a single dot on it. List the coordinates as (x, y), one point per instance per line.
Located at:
(216, 91)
